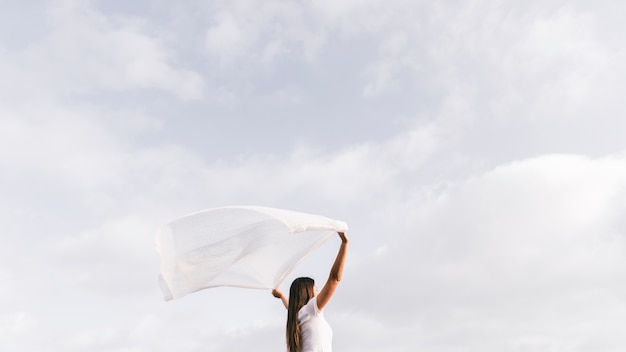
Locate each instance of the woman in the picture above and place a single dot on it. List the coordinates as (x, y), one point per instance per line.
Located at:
(307, 330)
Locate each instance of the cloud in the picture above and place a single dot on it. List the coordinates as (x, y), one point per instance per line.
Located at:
(262, 34)
(14, 327)
(527, 254)
(518, 63)
(87, 51)
(227, 37)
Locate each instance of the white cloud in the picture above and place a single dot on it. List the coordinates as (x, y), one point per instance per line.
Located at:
(15, 323)
(86, 51)
(227, 38)
(261, 33)
(528, 254)
(53, 143)
(15, 328)
(91, 340)
(527, 63)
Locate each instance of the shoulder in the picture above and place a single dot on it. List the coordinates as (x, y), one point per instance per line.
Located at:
(312, 304)
(310, 309)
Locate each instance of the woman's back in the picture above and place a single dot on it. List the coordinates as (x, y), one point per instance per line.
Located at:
(315, 333)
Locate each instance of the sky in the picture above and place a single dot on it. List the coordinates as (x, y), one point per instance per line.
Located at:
(475, 148)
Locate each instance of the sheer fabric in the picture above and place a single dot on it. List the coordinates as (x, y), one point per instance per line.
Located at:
(244, 246)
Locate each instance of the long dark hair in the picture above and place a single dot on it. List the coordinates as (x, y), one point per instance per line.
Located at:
(301, 291)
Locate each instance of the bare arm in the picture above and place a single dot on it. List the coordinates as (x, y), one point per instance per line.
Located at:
(335, 274)
(282, 297)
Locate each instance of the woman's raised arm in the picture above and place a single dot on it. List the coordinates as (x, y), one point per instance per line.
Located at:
(335, 274)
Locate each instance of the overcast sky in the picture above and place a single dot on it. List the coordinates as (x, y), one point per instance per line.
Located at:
(476, 149)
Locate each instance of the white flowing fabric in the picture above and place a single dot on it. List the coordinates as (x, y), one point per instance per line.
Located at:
(244, 246)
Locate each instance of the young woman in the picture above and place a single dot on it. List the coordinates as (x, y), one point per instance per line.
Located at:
(307, 330)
